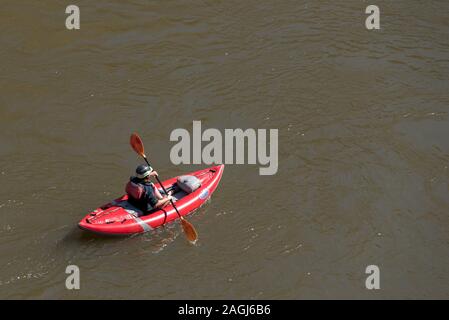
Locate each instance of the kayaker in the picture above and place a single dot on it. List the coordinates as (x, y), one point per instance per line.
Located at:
(142, 192)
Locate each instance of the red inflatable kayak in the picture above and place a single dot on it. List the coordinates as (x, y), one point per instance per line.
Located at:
(120, 217)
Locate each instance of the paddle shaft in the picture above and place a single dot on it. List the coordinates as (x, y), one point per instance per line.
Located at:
(163, 188)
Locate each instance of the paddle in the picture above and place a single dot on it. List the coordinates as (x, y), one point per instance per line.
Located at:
(189, 230)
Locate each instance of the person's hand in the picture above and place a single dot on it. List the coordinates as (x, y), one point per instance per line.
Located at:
(153, 173)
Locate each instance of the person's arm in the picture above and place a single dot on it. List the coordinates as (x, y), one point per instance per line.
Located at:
(162, 202)
(153, 173)
(157, 193)
(156, 190)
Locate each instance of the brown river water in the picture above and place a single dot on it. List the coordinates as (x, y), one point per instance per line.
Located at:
(363, 147)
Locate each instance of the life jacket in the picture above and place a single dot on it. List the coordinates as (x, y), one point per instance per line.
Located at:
(135, 190)
(142, 194)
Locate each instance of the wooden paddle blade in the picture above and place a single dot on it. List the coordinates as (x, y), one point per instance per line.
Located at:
(137, 144)
(189, 230)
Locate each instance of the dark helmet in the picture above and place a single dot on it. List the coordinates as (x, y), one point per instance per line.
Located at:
(143, 171)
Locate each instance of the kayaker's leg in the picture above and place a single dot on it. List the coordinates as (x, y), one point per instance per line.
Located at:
(158, 193)
(162, 203)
